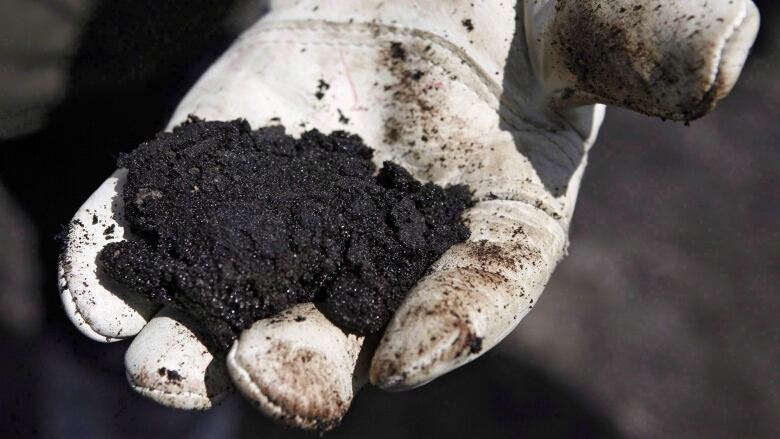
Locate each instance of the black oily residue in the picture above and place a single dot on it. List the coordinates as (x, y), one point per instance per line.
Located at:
(342, 119)
(170, 374)
(322, 87)
(236, 225)
(475, 346)
(397, 51)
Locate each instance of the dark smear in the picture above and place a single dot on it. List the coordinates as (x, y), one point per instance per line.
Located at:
(322, 87)
(475, 346)
(417, 75)
(397, 50)
(343, 119)
(244, 224)
(171, 375)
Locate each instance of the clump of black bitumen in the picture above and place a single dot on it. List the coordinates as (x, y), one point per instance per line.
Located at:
(235, 225)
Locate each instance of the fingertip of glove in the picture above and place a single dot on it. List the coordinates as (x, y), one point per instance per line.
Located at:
(75, 316)
(288, 391)
(171, 363)
(98, 308)
(730, 58)
(404, 366)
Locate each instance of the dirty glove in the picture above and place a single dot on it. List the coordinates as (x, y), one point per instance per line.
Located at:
(504, 99)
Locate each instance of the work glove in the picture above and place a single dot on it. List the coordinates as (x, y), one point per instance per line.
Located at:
(506, 98)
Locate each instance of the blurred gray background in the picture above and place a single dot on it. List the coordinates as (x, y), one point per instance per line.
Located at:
(662, 322)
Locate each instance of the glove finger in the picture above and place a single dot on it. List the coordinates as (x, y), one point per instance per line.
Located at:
(99, 308)
(298, 368)
(170, 362)
(475, 295)
(670, 59)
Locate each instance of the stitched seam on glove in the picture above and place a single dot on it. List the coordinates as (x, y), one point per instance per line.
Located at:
(204, 402)
(65, 290)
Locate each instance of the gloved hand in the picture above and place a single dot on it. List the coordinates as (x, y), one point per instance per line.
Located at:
(498, 97)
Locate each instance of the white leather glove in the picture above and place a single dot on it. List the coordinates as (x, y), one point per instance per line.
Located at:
(456, 91)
